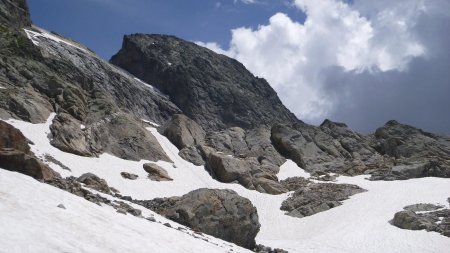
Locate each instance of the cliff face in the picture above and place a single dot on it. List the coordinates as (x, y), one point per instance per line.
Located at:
(214, 90)
(14, 14)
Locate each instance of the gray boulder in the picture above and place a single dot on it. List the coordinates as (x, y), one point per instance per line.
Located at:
(93, 181)
(220, 213)
(227, 168)
(183, 132)
(156, 173)
(15, 155)
(129, 175)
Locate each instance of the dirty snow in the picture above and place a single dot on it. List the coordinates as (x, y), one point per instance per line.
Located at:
(361, 224)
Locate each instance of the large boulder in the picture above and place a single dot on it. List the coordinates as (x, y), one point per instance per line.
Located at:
(183, 132)
(93, 181)
(220, 213)
(15, 155)
(156, 173)
(28, 164)
(227, 168)
(11, 137)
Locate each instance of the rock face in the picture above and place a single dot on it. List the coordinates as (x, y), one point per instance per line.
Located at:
(14, 13)
(15, 155)
(156, 173)
(317, 197)
(427, 217)
(220, 213)
(211, 89)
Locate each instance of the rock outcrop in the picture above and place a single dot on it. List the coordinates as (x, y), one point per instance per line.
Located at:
(210, 88)
(233, 155)
(427, 217)
(416, 152)
(15, 155)
(331, 147)
(313, 198)
(14, 13)
(220, 213)
(395, 151)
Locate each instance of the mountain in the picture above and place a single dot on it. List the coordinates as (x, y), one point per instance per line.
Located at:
(194, 153)
(214, 90)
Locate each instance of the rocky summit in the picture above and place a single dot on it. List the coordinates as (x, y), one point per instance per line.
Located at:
(170, 147)
(214, 90)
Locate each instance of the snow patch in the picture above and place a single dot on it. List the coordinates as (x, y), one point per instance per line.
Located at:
(150, 123)
(290, 169)
(34, 37)
(2, 88)
(144, 83)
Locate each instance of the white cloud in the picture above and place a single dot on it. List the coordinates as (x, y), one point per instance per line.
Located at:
(246, 1)
(372, 36)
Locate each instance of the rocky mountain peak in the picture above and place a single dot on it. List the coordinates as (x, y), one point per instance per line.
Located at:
(214, 90)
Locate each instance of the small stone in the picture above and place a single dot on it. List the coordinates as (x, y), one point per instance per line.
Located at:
(129, 176)
(151, 218)
(167, 225)
(61, 206)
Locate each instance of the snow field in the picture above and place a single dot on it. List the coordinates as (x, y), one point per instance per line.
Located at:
(361, 224)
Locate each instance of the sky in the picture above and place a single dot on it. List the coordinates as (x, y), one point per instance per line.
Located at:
(361, 62)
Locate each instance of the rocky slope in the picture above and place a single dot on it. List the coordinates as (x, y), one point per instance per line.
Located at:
(99, 107)
(218, 115)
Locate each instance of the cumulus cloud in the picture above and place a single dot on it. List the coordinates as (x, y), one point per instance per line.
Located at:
(366, 37)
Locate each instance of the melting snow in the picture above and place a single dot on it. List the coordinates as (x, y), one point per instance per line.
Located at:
(361, 224)
(144, 83)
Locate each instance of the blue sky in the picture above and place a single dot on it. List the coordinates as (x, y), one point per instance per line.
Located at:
(101, 24)
(362, 62)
